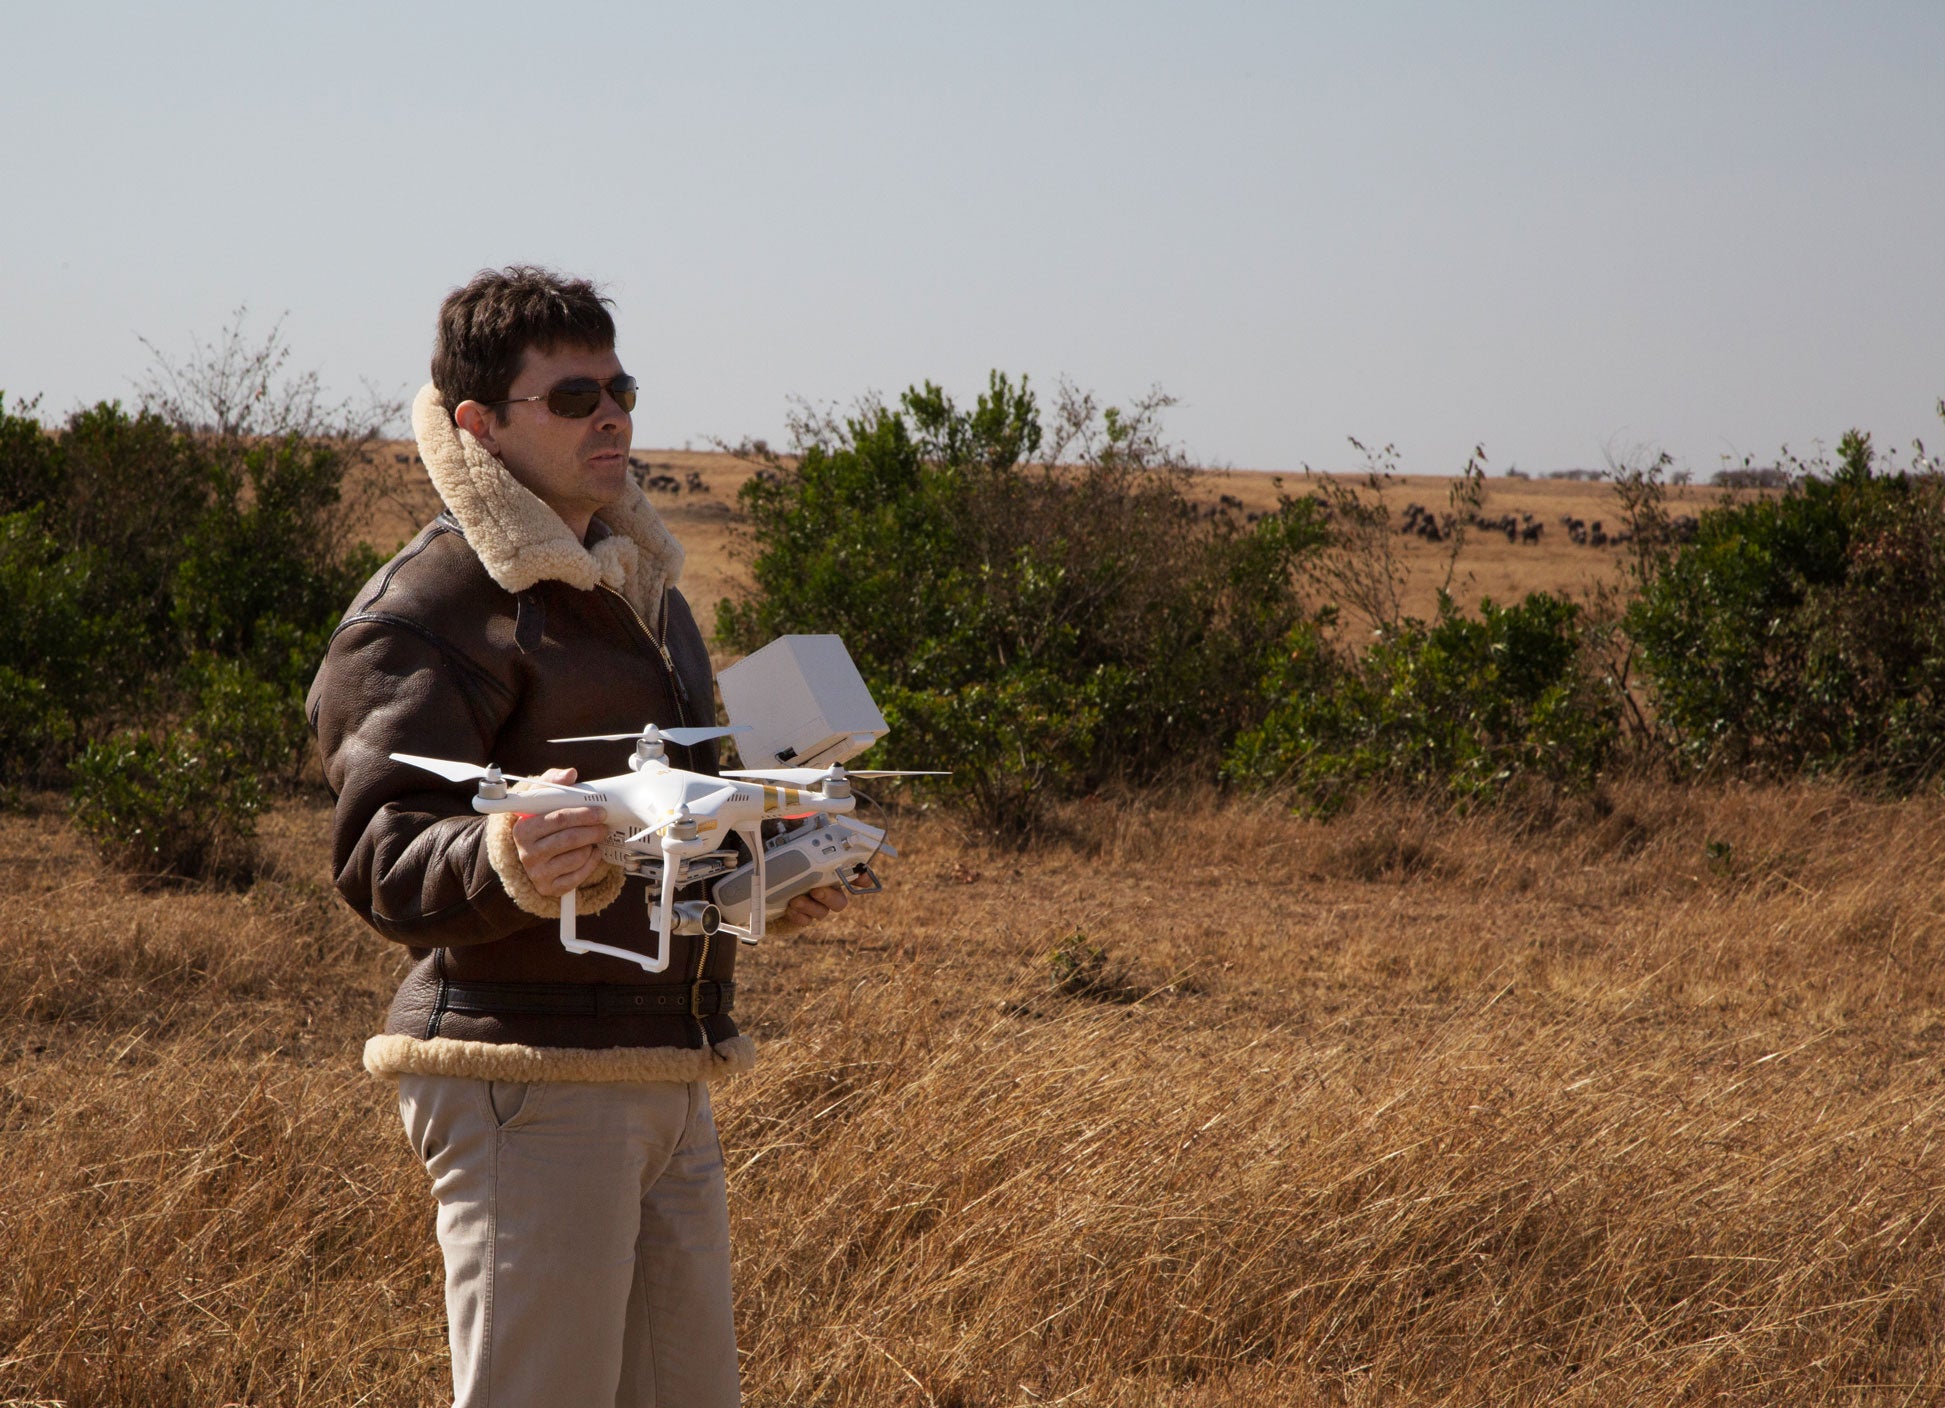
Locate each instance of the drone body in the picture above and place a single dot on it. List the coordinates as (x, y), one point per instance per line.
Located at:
(673, 826)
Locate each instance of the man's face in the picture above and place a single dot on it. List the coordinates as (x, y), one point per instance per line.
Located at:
(574, 466)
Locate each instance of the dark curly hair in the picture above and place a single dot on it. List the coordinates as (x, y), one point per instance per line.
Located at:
(486, 327)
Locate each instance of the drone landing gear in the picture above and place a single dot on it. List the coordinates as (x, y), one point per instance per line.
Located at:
(650, 961)
(752, 933)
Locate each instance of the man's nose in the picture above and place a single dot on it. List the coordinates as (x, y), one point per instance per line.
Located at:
(610, 411)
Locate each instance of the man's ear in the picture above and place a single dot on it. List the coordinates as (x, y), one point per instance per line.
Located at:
(476, 419)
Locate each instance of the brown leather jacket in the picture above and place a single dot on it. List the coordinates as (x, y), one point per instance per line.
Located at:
(478, 642)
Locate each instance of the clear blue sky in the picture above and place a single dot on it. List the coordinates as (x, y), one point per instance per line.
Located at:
(1551, 227)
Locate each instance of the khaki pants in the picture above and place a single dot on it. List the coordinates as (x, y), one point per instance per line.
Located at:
(586, 1237)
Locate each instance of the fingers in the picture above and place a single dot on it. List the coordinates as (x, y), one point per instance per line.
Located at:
(583, 873)
(553, 833)
(535, 829)
(560, 850)
(817, 904)
(556, 874)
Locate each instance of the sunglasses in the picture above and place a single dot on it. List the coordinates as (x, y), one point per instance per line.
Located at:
(579, 397)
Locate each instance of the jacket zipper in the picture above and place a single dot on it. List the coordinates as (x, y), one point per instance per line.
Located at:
(682, 716)
(695, 989)
(661, 649)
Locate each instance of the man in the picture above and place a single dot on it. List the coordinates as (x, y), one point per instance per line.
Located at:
(560, 1103)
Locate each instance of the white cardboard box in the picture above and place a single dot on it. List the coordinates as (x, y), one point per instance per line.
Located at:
(804, 701)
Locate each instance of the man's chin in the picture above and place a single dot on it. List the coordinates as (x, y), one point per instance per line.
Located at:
(609, 480)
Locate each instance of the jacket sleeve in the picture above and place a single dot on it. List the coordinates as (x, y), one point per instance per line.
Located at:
(409, 853)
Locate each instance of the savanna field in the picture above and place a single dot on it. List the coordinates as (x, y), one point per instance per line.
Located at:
(1620, 1098)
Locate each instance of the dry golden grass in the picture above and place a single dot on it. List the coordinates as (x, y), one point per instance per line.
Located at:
(1625, 1101)
(1620, 1101)
(1488, 565)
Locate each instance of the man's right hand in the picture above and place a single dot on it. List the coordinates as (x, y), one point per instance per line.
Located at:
(560, 850)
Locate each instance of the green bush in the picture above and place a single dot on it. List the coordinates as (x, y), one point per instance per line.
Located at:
(1806, 631)
(36, 734)
(1039, 631)
(263, 572)
(30, 459)
(127, 491)
(1012, 743)
(1454, 710)
(258, 723)
(174, 807)
(61, 658)
(172, 576)
(181, 802)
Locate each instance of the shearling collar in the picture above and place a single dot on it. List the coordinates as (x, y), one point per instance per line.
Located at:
(521, 541)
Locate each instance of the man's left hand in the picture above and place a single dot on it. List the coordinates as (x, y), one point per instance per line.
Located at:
(810, 907)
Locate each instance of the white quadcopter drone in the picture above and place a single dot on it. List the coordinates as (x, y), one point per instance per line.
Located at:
(673, 827)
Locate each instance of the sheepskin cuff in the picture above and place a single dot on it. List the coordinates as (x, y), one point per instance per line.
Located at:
(592, 897)
(392, 1056)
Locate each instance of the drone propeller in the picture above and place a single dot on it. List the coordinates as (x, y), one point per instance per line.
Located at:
(836, 772)
(682, 817)
(686, 737)
(460, 772)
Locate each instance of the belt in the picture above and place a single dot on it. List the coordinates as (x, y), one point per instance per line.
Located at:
(706, 998)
